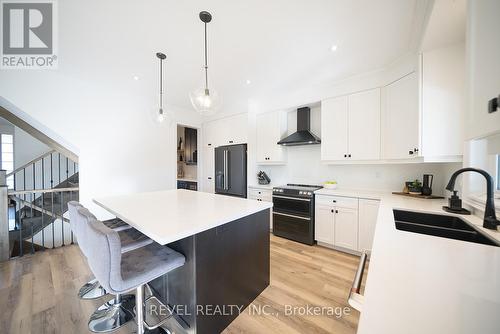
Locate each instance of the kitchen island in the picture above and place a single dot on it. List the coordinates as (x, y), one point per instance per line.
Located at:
(226, 244)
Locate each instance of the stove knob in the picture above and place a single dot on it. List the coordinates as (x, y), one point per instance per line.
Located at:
(301, 192)
(309, 193)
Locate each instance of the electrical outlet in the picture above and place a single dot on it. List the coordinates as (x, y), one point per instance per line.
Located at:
(493, 105)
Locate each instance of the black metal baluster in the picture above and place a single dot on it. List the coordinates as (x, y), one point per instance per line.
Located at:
(34, 182)
(51, 173)
(70, 199)
(59, 167)
(62, 218)
(67, 168)
(20, 226)
(32, 196)
(52, 218)
(43, 201)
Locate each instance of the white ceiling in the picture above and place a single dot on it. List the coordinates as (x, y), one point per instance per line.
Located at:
(280, 45)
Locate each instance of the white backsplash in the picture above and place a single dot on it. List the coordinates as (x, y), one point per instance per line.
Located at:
(304, 166)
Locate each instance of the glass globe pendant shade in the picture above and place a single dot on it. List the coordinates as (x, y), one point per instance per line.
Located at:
(161, 116)
(205, 101)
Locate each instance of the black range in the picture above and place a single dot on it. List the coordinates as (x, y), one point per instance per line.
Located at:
(293, 212)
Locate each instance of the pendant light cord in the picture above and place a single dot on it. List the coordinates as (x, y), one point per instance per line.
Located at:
(161, 83)
(206, 59)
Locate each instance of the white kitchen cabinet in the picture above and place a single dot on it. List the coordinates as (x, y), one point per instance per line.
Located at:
(443, 102)
(368, 212)
(364, 125)
(262, 194)
(323, 224)
(400, 121)
(271, 127)
(226, 131)
(336, 222)
(350, 127)
(346, 228)
(334, 133)
(208, 168)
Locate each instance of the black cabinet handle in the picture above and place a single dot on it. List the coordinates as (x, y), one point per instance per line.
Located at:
(209, 144)
(209, 177)
(336, 211)
(334, 201)
(349, 155)
(332, 210)
(415, 150)
(410, 152)
(230, 142)
(345, 155)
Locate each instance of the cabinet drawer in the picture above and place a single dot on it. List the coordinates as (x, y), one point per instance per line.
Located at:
(338, 201)
(260, 192)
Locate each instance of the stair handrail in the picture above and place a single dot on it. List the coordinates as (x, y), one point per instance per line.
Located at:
(36, 207)
(31, 162)
(50, 190)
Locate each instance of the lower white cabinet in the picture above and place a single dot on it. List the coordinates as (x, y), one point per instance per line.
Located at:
(368, 212)
(346, 228)
(345, 222)
(262, 194)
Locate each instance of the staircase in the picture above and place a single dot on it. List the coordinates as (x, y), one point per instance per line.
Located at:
(37, 207)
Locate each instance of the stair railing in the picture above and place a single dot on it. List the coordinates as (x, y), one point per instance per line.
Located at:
(35, 208)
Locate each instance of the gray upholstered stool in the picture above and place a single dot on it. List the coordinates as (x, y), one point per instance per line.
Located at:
(118, 311)
(123, 272)
(131, 238)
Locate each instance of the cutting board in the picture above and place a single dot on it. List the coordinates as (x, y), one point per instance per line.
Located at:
(417, 196)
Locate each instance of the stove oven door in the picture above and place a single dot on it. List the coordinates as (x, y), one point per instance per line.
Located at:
(293, 219)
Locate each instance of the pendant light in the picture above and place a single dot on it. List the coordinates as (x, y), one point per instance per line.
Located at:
(161, 116)
(204, 99)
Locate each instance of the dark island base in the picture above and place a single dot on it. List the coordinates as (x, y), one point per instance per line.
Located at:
(226, 268)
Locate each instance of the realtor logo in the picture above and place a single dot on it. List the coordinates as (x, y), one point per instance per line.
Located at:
(28, 34)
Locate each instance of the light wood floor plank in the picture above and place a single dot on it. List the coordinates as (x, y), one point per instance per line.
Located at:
(38, 293)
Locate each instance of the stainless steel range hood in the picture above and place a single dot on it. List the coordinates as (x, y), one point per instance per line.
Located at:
(303, 136)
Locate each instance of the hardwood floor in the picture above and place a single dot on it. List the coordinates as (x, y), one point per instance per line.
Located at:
(38, 293)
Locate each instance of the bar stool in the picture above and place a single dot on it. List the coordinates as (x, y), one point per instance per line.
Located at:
(123, 272)
(118, 311)
(92, 289)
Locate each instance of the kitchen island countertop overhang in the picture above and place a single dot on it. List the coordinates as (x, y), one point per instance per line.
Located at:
(170, 215)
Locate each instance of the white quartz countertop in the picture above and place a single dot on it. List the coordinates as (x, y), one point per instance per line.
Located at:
(261, 186)
(171, 215)
(424, 284)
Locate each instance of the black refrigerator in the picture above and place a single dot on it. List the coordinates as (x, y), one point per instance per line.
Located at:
(231, 170)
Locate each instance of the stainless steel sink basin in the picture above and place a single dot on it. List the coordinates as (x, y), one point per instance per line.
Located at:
(440, 226)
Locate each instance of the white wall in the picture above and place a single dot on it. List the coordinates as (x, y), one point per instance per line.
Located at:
(483, 65)
(26, 148)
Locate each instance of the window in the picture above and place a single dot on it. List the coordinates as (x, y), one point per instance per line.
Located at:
(7, 142)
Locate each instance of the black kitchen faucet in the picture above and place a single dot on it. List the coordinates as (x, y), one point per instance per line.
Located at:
(490, 218)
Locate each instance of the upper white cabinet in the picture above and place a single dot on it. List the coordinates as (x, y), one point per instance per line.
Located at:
(226, 131)
(334, 134)
(400, 121)
(271, 128)
(443, 101)
(364, 125)
(350, 127)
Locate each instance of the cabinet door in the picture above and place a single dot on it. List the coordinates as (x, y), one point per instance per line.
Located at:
(401, 119)
(346, 228)
(368, 212)
(364, 125)
(323, 224)
(208, 169)
(235, 129)
(334, 122)
(264, 133)
(271, 127)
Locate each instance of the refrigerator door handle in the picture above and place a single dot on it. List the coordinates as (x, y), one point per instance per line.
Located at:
(224, 177)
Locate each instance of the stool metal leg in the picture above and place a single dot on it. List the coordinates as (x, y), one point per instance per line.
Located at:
(139, 302)
(91, 290)
(113, 314)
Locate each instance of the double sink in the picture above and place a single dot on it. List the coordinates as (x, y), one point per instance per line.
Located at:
(450, 227)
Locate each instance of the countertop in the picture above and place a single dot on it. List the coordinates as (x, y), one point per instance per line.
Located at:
(170, 215)
(423, 284)
(187, 179)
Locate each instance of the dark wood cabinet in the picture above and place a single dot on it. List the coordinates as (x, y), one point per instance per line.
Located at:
(191, 146)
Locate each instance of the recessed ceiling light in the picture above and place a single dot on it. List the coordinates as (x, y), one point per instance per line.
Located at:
(248, 82)
(136, 78)
(333, 48)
